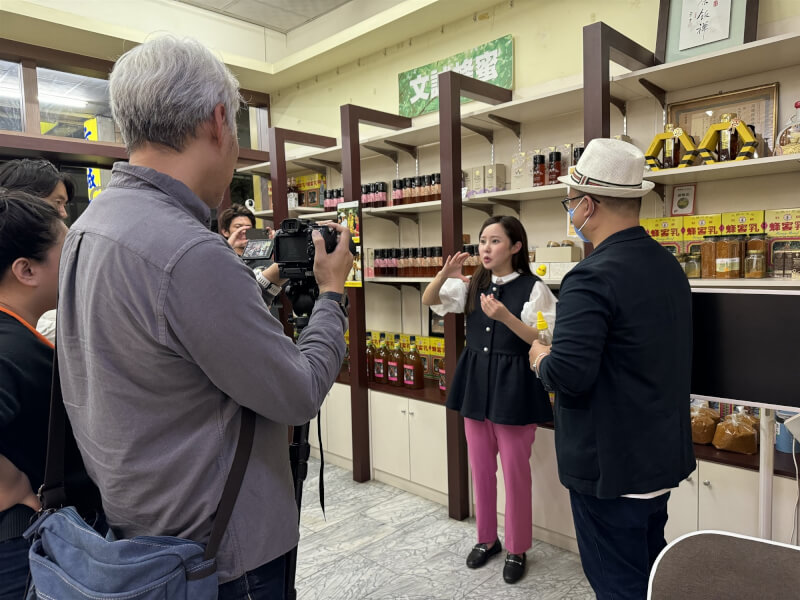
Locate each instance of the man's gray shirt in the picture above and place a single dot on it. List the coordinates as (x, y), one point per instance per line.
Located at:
(163, 337)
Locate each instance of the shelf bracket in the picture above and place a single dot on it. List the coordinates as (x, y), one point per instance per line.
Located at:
(312, 167)
(336, 166)
(487, 133)
(656, 92)
(407, 148)
(659, 189)
(390, 154)
(620, 104)
(484, 208)
(507, 123)
(512, 204)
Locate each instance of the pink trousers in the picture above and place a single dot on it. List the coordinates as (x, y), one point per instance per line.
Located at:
(514, 442)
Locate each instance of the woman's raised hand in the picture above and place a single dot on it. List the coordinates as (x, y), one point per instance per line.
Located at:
(453, 266)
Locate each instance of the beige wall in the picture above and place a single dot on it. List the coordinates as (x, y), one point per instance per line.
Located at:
(547, 50)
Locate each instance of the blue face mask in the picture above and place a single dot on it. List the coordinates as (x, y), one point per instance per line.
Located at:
(578, 230)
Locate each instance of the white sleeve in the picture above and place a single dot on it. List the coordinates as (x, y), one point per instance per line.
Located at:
(453, 296)
(542, 299)
(47, 325)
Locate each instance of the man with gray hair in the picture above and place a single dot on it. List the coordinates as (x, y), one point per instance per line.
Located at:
(163, 336)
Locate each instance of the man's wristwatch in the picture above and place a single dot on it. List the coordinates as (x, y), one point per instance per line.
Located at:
(341, 299)
(270, 288)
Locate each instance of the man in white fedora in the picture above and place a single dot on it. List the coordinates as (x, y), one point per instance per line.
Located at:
(620, 366)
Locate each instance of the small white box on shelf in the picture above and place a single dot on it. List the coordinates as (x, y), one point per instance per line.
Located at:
(562, 254)
(557, 270)
(494, 178)
(477, 181)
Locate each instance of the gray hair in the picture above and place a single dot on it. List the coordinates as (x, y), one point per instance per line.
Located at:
(162, 90)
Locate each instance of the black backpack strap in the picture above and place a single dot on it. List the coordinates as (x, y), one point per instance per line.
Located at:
(52, 493)
(234, 482)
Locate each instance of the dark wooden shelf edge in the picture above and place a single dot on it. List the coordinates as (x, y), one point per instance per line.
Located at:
(430, 393)
(783, 462)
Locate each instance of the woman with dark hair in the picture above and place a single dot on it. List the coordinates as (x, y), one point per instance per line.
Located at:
(493, 387)
(31, 236)
(41, 179)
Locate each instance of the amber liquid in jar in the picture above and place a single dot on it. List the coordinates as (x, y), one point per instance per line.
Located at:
(728, 258)
(672, 149)
(554, 168)
(755, 265)
(728, 144)
(539, 170)
(413, 370)
(708, 258)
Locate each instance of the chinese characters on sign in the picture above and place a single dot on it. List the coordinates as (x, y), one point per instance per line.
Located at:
(491, 62)
(703, 22)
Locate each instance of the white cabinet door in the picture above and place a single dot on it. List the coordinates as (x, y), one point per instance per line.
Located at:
(427, 433)
(338, 415)
(389, 435)
(682, 508)
(728, 499)
(784, 496)
(551, 506)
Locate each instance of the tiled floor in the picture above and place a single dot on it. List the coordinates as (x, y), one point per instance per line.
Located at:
(381, 543)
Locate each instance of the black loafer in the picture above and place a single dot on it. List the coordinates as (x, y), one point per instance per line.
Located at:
(481, 553)
(515, 567)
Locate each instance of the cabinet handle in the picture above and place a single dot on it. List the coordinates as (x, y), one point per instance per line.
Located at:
(689, 479)
(411, 412)
(707, 483)
(403, 410)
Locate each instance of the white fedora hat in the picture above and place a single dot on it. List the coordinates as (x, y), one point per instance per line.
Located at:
(609, 167)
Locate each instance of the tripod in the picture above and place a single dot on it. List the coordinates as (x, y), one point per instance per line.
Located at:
(299, 449)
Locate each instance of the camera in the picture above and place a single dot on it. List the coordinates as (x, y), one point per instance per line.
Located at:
(293, 251)
(294, 247)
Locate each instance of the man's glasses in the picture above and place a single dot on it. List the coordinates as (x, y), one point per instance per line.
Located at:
(565, 202)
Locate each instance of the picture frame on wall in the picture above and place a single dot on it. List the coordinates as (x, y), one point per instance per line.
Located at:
(756, 106)
(682, 200)
(688, 28)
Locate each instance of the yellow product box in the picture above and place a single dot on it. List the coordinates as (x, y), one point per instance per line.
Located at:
(784, 222)
(436, 349)
(667, 231)
(697, 227)
(742, 223)
(405, 342)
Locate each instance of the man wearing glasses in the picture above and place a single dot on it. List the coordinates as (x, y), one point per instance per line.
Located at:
(620, 366)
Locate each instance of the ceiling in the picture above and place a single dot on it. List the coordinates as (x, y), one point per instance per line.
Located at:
(278, 15)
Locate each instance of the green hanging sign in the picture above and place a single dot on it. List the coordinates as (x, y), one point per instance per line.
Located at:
(492, 62)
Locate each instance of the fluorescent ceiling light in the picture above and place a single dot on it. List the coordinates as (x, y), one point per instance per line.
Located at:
(46, 98)
(62, 100)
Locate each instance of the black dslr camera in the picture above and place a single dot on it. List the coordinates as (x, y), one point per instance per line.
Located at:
(293, 251)
(294, 248)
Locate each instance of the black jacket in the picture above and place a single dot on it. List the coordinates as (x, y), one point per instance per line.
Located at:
(621, 369)
(493, 379)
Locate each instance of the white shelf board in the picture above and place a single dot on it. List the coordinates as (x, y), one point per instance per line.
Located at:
(399, 279)
(748, 59)
(412, 209)
(322, 216)
(771, 165)
(310, 212)
(756, 57)
(558, 190)
(764, 283)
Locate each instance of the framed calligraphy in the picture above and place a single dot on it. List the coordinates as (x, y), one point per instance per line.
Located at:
(688, 28)
(755, 106)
